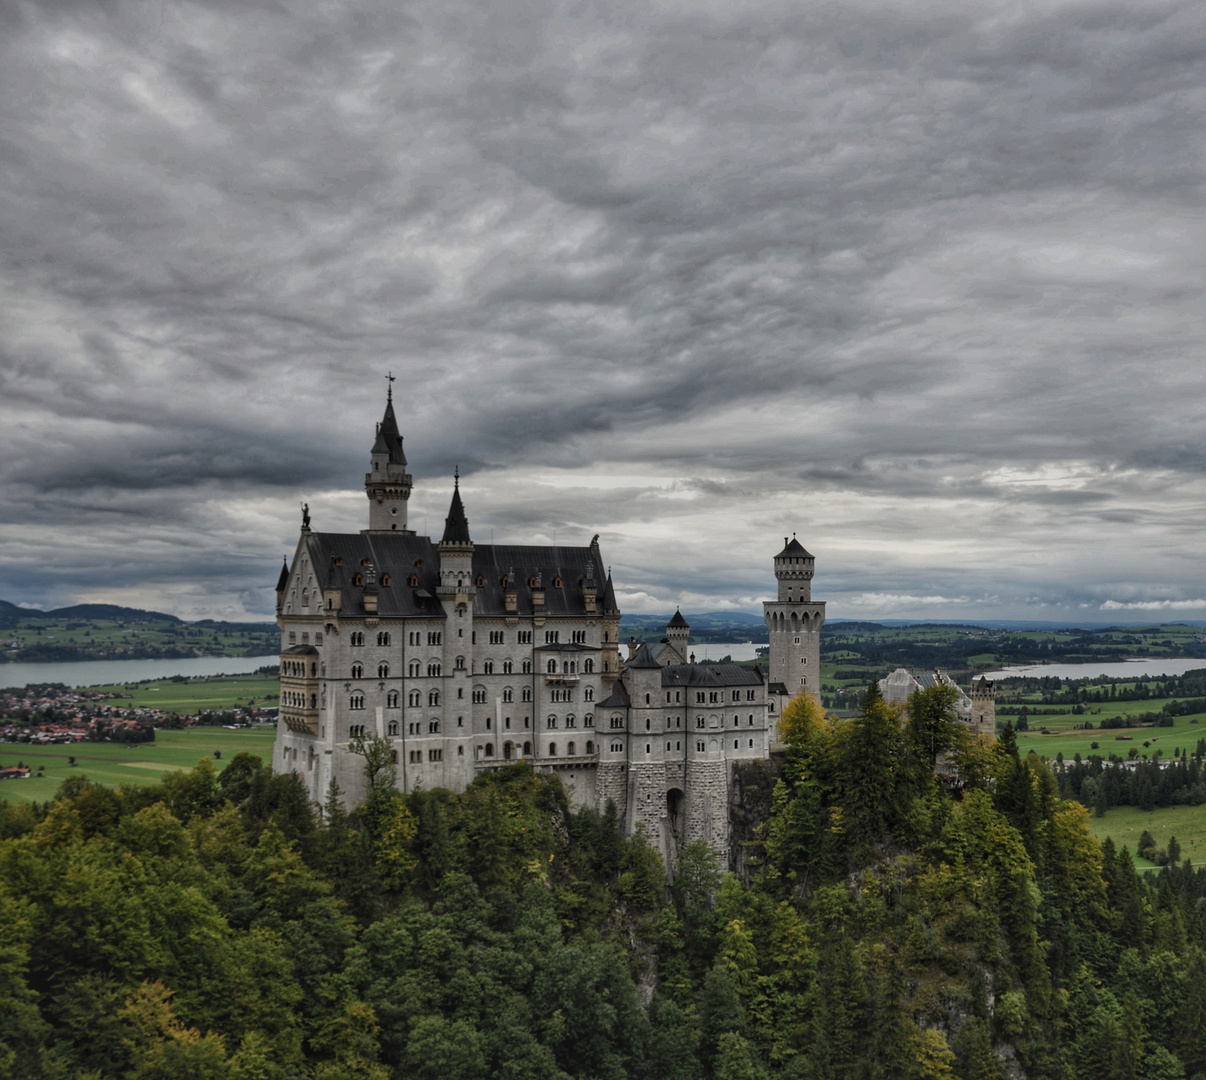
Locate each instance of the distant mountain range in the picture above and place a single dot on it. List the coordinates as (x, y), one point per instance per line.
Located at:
(11, 615)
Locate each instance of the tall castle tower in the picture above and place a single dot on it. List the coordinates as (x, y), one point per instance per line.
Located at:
(388, 483)
(794, 622)
(984, 709)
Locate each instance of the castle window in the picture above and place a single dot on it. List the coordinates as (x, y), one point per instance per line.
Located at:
(579, 637)
(507, 723)
(667, 747)
(749, 695)
(383, 671)
(383, 638)
(489, 722)
(647, 701)
(413, 698)
(734, 744)
(590, 747)
(552, 667)
(736, 695)
(570, 721)
(357, 638)
(508, 667)
(617, 748)
(488, 667)
(526, 694)
(433, 728)
(551, 723)
(481, 582)
(433, 698)
(699, 697)
(556, 583)
(552, 749)
(433, 669)
(479, 696)
(460, 751)
(305, 636)
(489, 749)
(391, 700)
(385, 577)
(318, 638)
(416, 756)
(356, 702)
(508, 694)
(496, 637)
(414, 669)
(617, 722)
(736, 720)
(527, 749)
(357, 671)
(524, 637)
(588, 720)
(570, 749)
(588, 667)
(435, 638)
(356, 731)
(648, 748)
(393, 727)
(648, 723)
(700, 746)
(414, 581)
(751, 744)
(699, 722)
(503, 582)
(435, 755)
(676, 695)
(526, 667)
(588, 694)
(531, 583)
(358, 579)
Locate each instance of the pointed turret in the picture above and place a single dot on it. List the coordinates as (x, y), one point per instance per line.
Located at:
(388, 483)
(678, 632)
(281, 582)
(609, 596)
(456, 525)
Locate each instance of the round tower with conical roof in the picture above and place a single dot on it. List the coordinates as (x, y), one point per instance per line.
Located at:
(387, 483)
(794, 621)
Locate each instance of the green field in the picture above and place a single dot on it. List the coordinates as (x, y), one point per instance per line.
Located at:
(115, 763)
(1064, 738)
(198, 694)
(1125, 824)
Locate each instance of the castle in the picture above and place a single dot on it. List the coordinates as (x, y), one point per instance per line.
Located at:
(468, 657)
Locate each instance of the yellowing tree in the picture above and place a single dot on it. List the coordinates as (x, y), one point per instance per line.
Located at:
(802, 718)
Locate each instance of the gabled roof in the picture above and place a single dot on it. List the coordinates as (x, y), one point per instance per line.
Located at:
(456, 525)
(793, 549)
(678, 621)
(396, 556)
(710, 675)
(642, 658)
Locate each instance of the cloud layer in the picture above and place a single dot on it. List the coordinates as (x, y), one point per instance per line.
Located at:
(922, 284)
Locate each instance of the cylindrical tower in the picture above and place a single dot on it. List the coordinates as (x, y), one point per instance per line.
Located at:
(794, 621)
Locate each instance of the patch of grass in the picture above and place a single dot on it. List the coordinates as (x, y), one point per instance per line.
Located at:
(116, 763)
(1069, 741)
(1125, 824)
(198, 694)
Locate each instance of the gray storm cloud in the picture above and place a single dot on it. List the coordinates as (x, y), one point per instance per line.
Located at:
(921, 283)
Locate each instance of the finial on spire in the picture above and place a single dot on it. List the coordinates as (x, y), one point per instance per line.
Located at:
(389, 392)
(456, 476)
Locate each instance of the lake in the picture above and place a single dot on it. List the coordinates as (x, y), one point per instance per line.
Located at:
(110, 672)
(1122, 669)
(738, 650)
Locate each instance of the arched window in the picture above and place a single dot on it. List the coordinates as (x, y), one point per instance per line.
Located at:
(489, 749)
(508, 694)
(552, 749)
(552, 721)
(385, 582)
(508, 667)
(527, 749)
(570, 749)
(460, 663)
(433, 727)
(433, 698)
(414, 581)
(647, 699)
(527, 667)
(357, 638)
(552, 667)
(526, 693)
(570, 721)
(481, 582)
(588, 720)
(391, 700)
(433, 669)
(588, 694)
(356, 702)
(393, 727)
(488, 667)
(413, 698)
(590, 747)
(556, 583)
(507, 750)
(357, 671)
(414, 668)
(383, 671)
(588, 666)
(383, 638)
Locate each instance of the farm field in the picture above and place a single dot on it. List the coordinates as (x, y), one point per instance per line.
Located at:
(1125, 824)
(1064, 738)
(197, 694)
(115, 763)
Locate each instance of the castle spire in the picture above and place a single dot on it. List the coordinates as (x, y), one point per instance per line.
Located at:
(456, 525)
(388, 484)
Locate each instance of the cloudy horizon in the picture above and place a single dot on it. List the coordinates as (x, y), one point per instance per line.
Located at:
(922, 285)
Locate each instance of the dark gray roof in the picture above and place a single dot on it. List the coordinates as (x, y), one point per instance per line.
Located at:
(710, 675)
(388, 436)
(793, 549)
(609, 596)
(456, 525)
(617, 699)
(394, 555)
(642, 658)
(776, 688)
(283, 580)
(678, 621)
(300, 650)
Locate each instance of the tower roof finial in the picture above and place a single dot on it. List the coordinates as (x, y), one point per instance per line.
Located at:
(389, 391)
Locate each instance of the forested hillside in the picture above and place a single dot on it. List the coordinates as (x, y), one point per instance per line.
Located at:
(893, 925)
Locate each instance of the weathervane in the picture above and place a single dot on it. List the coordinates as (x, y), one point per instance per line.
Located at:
(389, 393)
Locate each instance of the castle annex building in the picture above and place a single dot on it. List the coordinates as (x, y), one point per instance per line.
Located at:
(469, 657)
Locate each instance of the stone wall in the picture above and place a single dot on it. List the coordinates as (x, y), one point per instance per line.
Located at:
(750, 792)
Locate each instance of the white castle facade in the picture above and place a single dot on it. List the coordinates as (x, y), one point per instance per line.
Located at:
(469, 657)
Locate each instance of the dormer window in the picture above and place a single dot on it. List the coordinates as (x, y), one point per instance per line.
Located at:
(385, 580)
(531, 583)
(338, 560)
(414, 581)
(365, 561)
(556, 583)
(358, 580)
(481, 581)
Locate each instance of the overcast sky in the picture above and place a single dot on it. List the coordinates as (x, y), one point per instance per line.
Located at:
(921, 282)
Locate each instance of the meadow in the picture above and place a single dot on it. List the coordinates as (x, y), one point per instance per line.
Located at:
(116, 763)
(1125, 824)
(195, 695)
